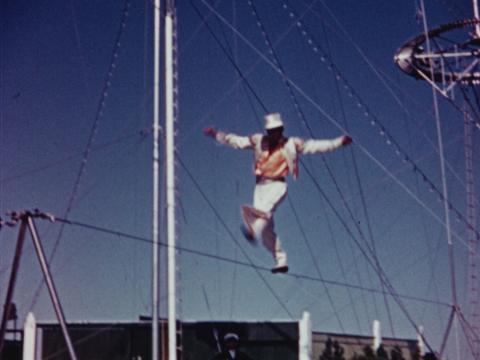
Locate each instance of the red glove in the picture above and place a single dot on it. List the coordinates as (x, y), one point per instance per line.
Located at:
(210, 131)
(346, 140)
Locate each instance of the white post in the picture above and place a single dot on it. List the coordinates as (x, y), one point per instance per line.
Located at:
(305, 337)
(29, 332)
(170, 163)
(377, 337)
(155, 195)
(420, 342)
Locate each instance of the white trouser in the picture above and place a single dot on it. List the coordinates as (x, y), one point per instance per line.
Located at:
(267, 196)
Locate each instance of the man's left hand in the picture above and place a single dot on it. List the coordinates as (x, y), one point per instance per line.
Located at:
(346, 140)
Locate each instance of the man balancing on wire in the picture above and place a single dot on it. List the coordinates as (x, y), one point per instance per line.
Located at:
(275, 156)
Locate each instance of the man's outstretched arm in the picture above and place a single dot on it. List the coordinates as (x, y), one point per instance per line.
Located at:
(313, 146)
(232, 140)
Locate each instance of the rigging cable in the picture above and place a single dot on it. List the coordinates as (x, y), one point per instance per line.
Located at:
(124, 235)
(304, 121)
(472, 338)
(237, 113)
(373, 158)
(389, 140)
(142, 133)
(331, 65)
(442, 164)
(365, 254)
(229, 56)
(381, 76)
(379, 271)
(354, 161)
(382, 133)
(317, 268)
(93, 132)
(375, 122)
(367, 112)
(228, 93)
(379, 164)
(235, 65)
(444, 189)
(363, 201)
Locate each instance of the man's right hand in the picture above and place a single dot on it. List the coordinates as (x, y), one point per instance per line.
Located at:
(210, 131)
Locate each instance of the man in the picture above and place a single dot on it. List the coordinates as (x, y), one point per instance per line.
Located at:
(275, 156)
(231, 352)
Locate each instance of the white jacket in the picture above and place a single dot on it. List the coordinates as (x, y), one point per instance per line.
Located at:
(291, 149)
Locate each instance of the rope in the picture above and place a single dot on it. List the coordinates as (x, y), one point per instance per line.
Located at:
(148, 241)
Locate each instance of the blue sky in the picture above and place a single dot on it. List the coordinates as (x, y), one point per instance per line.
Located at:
(55, 60)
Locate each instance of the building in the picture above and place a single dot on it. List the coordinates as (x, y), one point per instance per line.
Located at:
(201, 340)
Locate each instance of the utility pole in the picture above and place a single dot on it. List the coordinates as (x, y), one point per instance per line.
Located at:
(26, 220)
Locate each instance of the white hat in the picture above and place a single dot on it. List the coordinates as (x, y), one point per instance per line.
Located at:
(231, 336)
(273, 121)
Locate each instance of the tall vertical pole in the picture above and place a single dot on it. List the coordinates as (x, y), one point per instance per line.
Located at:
(51, 286)
(471, 233)
(451, 257)
(443, 174)
(170, 154)
(156, 194)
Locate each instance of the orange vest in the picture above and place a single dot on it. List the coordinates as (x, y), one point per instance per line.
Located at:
(272, 164)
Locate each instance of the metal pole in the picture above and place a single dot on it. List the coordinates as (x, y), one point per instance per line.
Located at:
(443, 174)
(11, 283)
(170, 154)
(156, 196)
(451, 257)
(50, 285)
